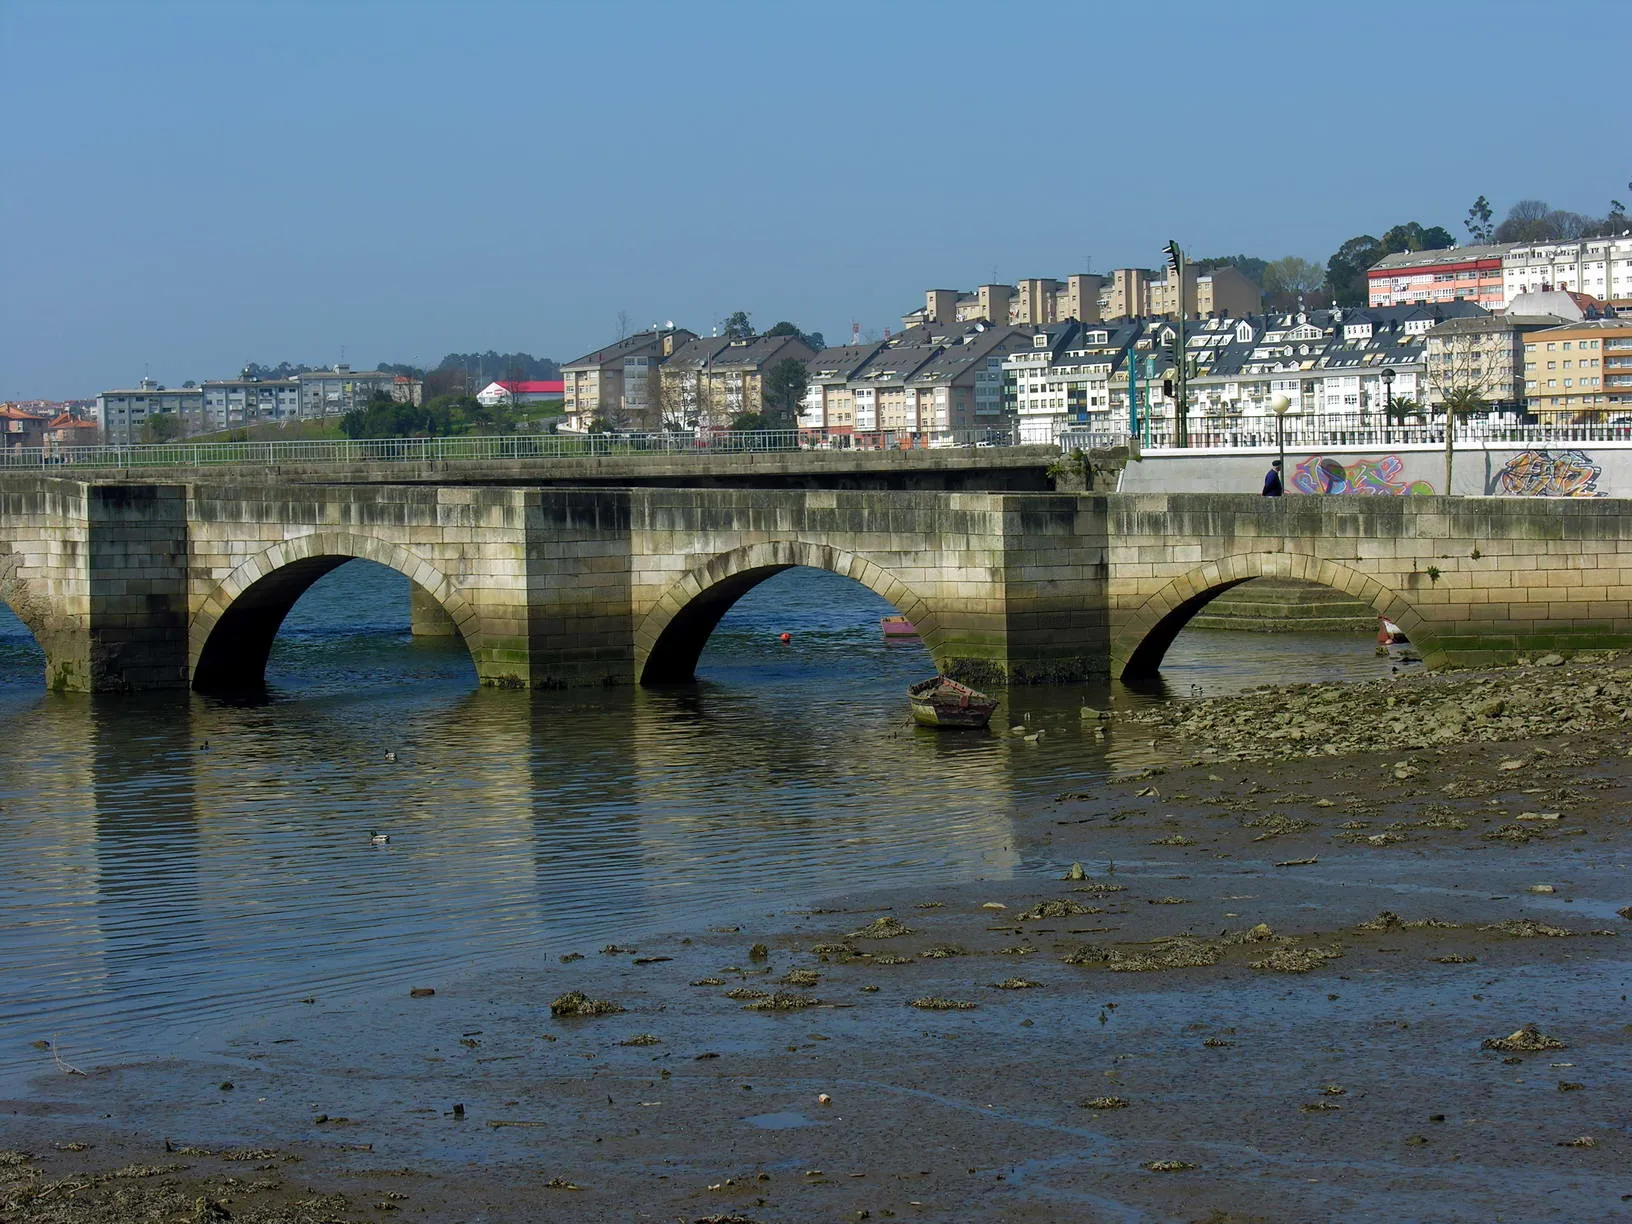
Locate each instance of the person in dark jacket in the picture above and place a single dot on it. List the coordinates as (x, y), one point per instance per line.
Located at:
(1272, 480)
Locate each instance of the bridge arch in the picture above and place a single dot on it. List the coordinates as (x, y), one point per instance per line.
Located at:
(16, 595)
(231, 633)
(671, 637)
(1141, 642)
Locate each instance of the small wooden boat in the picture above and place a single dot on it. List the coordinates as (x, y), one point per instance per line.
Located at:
(898, 627)
(942, 702)
(1388, 633)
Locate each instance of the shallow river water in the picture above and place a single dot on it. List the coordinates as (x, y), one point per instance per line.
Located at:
(174, 866)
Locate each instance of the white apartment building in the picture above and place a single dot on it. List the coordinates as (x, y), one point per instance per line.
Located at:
(1599, 267)
(121, 414)
(339, 389)
(231, 403)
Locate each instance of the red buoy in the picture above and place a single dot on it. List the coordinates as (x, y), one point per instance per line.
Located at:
(786, 638)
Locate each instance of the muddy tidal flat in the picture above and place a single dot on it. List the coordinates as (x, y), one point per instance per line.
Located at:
(1364, 957)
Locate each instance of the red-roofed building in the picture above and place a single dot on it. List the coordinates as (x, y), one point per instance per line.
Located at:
(69, 430)
(20, 429)
(537, 391)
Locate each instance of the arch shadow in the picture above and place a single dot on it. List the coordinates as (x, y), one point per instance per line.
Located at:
(230, 636)
(671, 637)
(16, 595)
(1137, 649)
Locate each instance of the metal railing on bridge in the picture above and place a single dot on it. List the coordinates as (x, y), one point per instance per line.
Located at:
(495, 447)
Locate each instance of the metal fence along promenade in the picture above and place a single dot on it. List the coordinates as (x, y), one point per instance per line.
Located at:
(1220, 435)
(466, 449)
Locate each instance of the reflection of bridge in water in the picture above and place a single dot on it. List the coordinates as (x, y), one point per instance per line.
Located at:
(191, 865)
(165, 586)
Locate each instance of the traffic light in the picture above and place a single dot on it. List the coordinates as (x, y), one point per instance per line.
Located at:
(1167, 387)
(1174, 258)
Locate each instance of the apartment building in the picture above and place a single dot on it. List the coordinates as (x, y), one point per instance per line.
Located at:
(1451, 274)
(121, 414)
(1580, 372)
(20, 428)
(1034, 301)
(829, 405)
(1062, 381)
(619, 385)
(1330, 365)
(1484, 354)
(1133, 293)
(1598, 267)
(65, 429)
(1126, 295)
(710, 381)
(1221, 291)
(340, 389)
(236, 402)
(932, 381)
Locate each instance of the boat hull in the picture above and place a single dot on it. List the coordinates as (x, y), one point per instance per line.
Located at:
(944, 703)
(898, 627)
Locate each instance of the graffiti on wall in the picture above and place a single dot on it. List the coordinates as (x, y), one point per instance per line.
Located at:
(1319, 474)
(1539, 473)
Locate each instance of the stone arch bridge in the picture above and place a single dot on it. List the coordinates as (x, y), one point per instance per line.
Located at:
(152, 586)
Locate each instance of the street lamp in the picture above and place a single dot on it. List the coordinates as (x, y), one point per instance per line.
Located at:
(1280, 405)
(1388, 403)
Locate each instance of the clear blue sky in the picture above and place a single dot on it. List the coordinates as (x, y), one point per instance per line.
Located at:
(193, 185)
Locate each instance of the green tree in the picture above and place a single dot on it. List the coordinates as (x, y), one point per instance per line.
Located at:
(1290, 279)
(1250, 266)
(813, 339)
(737, 327)
(163, 427)
(1346, 269)
(784, 390)
(1478, 223)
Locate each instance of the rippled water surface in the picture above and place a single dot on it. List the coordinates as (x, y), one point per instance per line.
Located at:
(171, 866)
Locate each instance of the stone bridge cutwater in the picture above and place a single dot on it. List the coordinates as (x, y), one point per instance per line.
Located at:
(153, 586)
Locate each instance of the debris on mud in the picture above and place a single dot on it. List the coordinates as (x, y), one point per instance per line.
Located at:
(1296, 960)
(642, 1039)
(1016, 983)
(1168, 1166)
(800, 977)
(943, 951)
(1105, 1102)
(577, 1003)
(1059, 907)
(1527, 928)
(883, 927)
(1277, 825)
(1178, 952)
(746, 992)
(783, 1000)
(1527, 1040)
(936, 1003)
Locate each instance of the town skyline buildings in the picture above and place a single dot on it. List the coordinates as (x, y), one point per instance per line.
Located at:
(170, 222)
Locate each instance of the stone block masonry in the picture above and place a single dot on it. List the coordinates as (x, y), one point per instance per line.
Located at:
(152, 586)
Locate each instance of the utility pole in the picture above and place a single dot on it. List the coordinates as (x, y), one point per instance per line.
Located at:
(1181, 375)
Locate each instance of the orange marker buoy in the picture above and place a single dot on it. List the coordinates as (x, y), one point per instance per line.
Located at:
(786, 638)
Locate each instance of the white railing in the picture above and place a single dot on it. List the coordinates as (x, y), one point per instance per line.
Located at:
(462, 449)
(1224, 435)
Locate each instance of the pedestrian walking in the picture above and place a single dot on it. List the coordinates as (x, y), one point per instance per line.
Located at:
(1272, 480)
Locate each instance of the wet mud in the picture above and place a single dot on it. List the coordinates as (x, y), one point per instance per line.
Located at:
(1299, 978)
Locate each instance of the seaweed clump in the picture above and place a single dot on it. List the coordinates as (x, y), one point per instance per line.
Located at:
(577, 1003)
